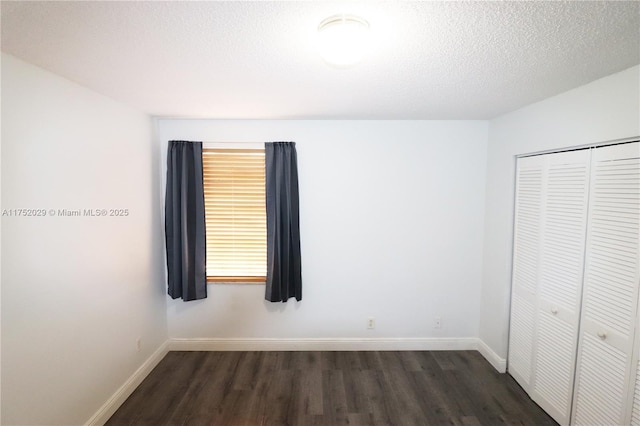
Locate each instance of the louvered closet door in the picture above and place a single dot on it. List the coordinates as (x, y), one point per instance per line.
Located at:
(611, 282)
(526, 252)
(565, 198)
(633, 401)
(633, 397)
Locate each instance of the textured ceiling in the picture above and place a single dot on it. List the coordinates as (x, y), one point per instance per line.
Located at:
(430, 60)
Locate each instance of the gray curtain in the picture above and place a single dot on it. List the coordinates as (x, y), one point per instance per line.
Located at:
(185, 222)
(284, 277)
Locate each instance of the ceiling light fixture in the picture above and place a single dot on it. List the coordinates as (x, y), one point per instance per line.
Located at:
(343, 40)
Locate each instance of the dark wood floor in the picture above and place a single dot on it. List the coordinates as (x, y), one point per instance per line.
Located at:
(328, 388)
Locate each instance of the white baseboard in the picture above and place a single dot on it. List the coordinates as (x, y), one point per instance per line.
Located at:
(118, 398)
(324, 344)
(498, 363)
(341, 344)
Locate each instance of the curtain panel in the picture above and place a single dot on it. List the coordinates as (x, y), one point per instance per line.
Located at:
(284, 276)
(185, 222)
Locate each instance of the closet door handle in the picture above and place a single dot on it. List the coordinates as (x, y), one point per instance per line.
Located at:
(602, 335)
(554, 311)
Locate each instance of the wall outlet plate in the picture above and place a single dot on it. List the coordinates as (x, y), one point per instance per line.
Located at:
(371, 323)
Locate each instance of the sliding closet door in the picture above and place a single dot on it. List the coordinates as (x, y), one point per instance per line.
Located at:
(605, 367)
(526, 253)
(564, 202)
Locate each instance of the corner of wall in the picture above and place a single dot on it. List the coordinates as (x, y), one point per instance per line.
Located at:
(158, 244)
(120, 396)
(499, 363)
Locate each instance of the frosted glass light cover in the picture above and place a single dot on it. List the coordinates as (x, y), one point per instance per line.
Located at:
(343, 40)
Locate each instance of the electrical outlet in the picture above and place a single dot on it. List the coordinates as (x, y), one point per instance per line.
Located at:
(437, 322)
(371, 323)
(139, 343)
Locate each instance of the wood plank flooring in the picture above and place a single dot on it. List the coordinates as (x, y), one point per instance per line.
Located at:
(328, 388)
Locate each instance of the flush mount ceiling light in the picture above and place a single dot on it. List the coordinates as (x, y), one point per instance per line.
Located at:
(343, 40)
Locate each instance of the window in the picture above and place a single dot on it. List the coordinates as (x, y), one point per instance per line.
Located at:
(236, 223)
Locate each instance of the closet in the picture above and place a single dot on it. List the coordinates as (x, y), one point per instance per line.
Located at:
(574, 342)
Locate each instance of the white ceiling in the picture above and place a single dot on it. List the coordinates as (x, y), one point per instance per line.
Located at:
(431, 60)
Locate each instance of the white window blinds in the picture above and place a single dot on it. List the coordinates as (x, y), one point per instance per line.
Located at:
(234, 192)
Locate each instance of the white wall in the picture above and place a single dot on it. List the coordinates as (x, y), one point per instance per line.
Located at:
(391, 227)
(76, 291)
(604, 110)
